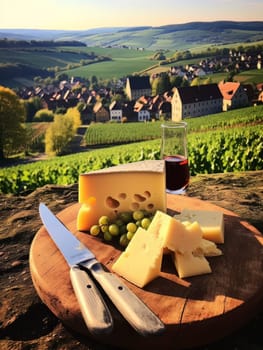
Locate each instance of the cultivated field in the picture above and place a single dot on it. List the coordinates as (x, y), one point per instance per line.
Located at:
(227, 142)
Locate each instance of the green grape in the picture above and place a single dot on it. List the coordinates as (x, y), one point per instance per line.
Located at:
(130, 235)
(138, 223)
(119, 222)
(138, 215)
(123, 229)
(126, 216)
(124, 240)
(104, 228)
(124, 225)
(131, 227)
(145, 223)
(104, 220)
(107, 236)
(95, 230)
(114, 229)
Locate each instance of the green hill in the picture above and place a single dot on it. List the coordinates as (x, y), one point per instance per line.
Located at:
(113, 52)
(169, 37)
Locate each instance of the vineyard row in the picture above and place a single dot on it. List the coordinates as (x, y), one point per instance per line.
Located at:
(229, 150)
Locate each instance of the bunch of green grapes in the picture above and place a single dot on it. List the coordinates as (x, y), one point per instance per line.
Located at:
(123, 227)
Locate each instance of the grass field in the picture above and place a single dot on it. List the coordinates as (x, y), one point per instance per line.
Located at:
(123, 62)
(41, 58)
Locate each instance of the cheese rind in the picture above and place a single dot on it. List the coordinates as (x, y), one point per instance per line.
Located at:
(211, 222)
(188, 265)
(125, 187)
(141, 261)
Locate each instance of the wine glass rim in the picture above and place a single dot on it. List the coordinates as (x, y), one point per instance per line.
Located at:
(173, 124)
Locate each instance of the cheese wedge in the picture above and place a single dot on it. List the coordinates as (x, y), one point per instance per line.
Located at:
(125, 187)
(175, 235)
(141, 261)
(211, 222)
(188, 265)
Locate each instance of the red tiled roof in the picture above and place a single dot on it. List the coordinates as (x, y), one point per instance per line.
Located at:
(228, 89)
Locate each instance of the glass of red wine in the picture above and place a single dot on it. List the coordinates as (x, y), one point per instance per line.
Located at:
(174, 153)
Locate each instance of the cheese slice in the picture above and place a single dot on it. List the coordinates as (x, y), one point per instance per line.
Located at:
(211, 222)
(188, 265)
(207, 248)
(175, 235)
(125, 187)
(141, 261)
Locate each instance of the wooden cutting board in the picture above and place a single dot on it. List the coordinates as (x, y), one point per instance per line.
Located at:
(196, 310)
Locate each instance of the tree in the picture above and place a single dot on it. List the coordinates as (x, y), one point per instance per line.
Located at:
(12, 118)
(161, 84)
(176, 81)
(43, 115)
(62, 131)
(94, 82)
(196, 81)
(74, 115)
(32, 106)
(208, 81)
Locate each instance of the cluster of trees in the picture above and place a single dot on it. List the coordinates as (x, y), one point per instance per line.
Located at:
(10, 70)
(15, 137)
(5, 43)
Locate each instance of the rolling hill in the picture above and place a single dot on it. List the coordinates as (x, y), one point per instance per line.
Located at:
(168, 37)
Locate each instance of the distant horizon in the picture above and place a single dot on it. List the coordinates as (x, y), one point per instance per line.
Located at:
(86, 14)
(123, 27)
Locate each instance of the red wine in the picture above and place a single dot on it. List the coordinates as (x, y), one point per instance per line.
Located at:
(177, 172)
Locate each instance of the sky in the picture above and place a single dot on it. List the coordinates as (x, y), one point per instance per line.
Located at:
(87, 14)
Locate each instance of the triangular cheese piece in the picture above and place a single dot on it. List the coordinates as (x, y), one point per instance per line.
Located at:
(141, 261)
(188, 265)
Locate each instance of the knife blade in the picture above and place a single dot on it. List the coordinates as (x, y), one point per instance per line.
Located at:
(83, 264)
(94, 310)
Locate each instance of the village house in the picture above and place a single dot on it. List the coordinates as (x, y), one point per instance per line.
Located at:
(196, 101)
(146, 108)
(234, 95)
(86, 114)
(143, 113)
(102, 114)
(160, 106)
(115, 111)
(128, 112)
(138, 86)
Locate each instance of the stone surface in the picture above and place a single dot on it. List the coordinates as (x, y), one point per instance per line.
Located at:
(26, 323)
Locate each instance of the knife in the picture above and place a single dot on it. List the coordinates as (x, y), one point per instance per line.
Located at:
(84, 266)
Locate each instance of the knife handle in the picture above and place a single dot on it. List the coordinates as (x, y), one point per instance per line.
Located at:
(140, 317)
(93, 308)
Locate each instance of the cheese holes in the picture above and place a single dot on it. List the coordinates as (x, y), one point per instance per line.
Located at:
(139, 198)
(135, 206)
(112, 203)
(147, 194)
(115, 202)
